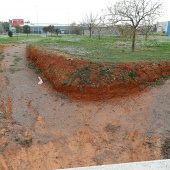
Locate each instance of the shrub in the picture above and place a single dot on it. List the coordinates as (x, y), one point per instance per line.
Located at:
(10, 34)
(132, 74)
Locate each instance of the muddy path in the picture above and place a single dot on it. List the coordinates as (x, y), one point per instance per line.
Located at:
(43, 129)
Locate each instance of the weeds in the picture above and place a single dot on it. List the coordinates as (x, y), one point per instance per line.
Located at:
(132, 74)
(14, 70)
(64, 83)
(158, 82)
(165, 149)
(16, 60)
(3, 115)
(24, 142)
(2, 57)
(82, 74)
(111, 128)
(32, 65)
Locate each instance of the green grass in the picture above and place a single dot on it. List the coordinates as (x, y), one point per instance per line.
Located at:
(14, 70)
(16, 60)
(109, 48)
(21, 38)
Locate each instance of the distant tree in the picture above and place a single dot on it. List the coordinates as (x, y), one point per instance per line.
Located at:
(57, 31)
(51, 29)
(45, 29)
(90, 22)
(26, 29)
(10, 34)
(6, 26)
(75, 29)
(82, 27)
(100, 24)
(147, 27)
(1, 28)
(134, 12)
(72, 27)
(18, 30)
(124, 29)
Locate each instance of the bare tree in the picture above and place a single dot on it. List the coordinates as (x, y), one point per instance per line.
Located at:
(124, 29)
(82, 26)
(147, 27)
(100, 25)
(90, 22)
(134, 12)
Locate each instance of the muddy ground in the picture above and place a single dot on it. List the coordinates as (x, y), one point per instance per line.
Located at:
(43, 129)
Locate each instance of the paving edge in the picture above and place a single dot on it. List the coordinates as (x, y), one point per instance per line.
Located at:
(147, 165)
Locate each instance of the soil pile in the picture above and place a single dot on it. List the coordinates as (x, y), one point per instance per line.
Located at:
(87, 80)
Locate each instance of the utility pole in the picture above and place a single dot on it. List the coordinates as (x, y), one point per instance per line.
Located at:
(37, 17)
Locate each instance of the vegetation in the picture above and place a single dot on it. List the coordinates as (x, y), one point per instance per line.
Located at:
(165, 149)
(75, 29)
(18, 30)
(90, 22)
(10, 34)
(32, 65)
(51, 29)
(107, 49)
(110, 48)
(57, 31)
(23, 38)
(26, 29)
(134, 12)
(2, 56)
(14, 70)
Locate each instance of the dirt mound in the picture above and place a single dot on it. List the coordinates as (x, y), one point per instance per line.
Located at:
(87, 80)
(41, 129)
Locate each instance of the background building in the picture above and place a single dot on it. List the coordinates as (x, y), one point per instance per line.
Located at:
(163, 27)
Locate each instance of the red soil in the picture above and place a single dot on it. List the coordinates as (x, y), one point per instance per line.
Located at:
(2, 46)
(87, 80)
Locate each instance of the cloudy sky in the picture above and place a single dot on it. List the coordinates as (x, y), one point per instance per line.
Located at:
(55, 11)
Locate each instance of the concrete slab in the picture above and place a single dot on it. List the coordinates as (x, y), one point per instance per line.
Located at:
(148, 165)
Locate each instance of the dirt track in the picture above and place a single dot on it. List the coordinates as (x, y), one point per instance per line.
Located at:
(42, 129)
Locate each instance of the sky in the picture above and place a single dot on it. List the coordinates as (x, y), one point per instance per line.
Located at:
(59, 11)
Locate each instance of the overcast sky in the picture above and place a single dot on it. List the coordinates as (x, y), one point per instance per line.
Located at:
(58, 11)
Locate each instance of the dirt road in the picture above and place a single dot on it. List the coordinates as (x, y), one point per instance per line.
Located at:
(43, 129)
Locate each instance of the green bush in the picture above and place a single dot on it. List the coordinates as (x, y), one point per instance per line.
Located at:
(10, 34)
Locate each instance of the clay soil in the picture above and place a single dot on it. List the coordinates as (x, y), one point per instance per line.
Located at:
(42, 128)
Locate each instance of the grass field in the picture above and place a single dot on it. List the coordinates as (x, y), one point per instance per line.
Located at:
(111, 49)
(107, 49)
(4, 39)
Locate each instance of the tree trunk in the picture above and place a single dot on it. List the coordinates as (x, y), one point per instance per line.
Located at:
(90, 29)
(99, 34)
(146, 37)
(133, 39)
